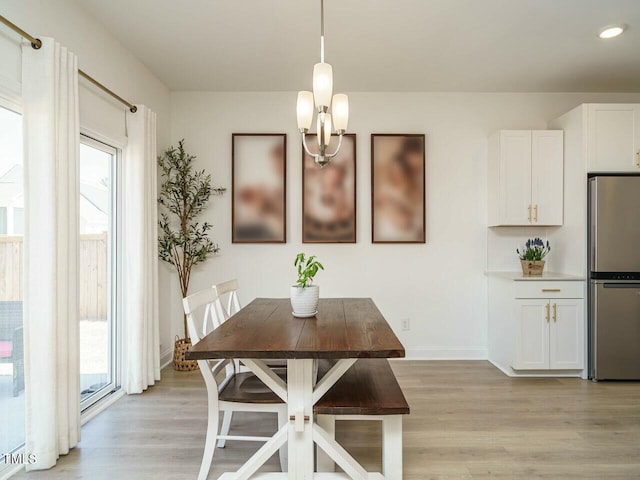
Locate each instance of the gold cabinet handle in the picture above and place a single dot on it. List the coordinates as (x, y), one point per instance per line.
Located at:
(548, 308)
(555, 312)
(551, 290)
(529, 214)
(535, 215)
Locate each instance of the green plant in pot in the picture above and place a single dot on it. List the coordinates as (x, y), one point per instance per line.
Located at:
(305, 295)
(183, 242)
(532, 256)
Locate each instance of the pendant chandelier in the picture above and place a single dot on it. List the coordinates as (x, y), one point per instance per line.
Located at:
(322, 99)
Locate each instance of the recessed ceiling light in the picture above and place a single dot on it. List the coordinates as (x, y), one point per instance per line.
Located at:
(611, 31)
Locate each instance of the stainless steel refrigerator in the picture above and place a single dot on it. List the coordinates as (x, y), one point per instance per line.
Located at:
(614, 266)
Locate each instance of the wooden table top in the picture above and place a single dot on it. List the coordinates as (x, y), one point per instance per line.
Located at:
(343, 328)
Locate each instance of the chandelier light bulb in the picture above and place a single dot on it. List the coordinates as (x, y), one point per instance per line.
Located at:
(340, 111)
(322, 85)
(324, 120)
(304, 110)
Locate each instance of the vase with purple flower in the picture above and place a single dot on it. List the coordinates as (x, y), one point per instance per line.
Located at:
(532, 256)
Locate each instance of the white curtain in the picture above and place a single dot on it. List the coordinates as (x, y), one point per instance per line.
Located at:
(140, 242)
(51, 152)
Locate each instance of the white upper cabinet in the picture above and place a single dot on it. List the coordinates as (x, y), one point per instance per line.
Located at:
(547, 177)
(613, 137)
(515, 194)
(526, 172)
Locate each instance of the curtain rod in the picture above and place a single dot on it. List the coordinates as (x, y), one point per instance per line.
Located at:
(36, 44)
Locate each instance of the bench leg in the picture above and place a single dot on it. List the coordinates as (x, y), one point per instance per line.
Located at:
(328, 423)
(392, 447)
(283, 419)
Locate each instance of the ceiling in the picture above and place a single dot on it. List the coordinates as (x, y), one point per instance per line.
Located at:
(376, 45)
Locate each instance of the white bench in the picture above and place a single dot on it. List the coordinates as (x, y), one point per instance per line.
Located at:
(369, 390)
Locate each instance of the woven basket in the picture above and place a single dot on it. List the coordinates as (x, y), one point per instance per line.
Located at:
(531, 268)
(180, 348)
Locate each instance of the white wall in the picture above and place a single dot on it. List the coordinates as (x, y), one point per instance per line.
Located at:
(440, 286)
(103, 57)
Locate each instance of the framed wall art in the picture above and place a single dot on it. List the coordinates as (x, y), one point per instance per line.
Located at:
(398, 188)
(258, 178)
(329, 194)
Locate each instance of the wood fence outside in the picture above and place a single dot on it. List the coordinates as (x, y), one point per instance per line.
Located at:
(93, 272)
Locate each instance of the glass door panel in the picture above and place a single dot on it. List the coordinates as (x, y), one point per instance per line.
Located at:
(12, 402)
(98, 194)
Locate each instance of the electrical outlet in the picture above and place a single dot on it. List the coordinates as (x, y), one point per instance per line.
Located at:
(406, 325)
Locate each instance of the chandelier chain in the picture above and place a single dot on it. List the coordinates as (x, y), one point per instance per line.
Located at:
(321, 31)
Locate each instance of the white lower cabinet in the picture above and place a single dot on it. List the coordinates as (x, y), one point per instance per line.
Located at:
(566, 335)
(549, 334)
(537, 326)
(532, 335)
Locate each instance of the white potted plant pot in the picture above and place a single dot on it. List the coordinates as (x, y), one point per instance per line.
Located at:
(304, 300)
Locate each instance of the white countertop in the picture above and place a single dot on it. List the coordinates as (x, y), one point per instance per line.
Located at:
(548, 276)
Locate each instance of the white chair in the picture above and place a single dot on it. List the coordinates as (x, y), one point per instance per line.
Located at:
(226, 305)
(225, 384)
(228, 290)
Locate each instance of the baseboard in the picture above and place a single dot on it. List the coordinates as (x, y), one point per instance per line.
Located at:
(166, 357)
(445, 353)
(538, 373)
(508, 373)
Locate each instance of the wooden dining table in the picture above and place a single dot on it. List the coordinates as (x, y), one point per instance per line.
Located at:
(344, 329)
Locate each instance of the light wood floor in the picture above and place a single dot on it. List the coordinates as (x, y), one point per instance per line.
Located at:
(468, 421)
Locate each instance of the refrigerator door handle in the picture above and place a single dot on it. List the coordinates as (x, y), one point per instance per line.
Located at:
(593, 190)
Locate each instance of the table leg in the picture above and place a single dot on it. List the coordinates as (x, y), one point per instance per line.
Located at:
(300, 405)
(301, 433)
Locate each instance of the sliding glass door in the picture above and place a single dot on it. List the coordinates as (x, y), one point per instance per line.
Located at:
(12, 402)
(99, 332)
(99, 305)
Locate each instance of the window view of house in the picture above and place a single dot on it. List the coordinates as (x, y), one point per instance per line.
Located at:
(12, 402)
(97, 340)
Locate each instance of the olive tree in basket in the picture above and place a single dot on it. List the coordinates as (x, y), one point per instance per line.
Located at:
(183, 241)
